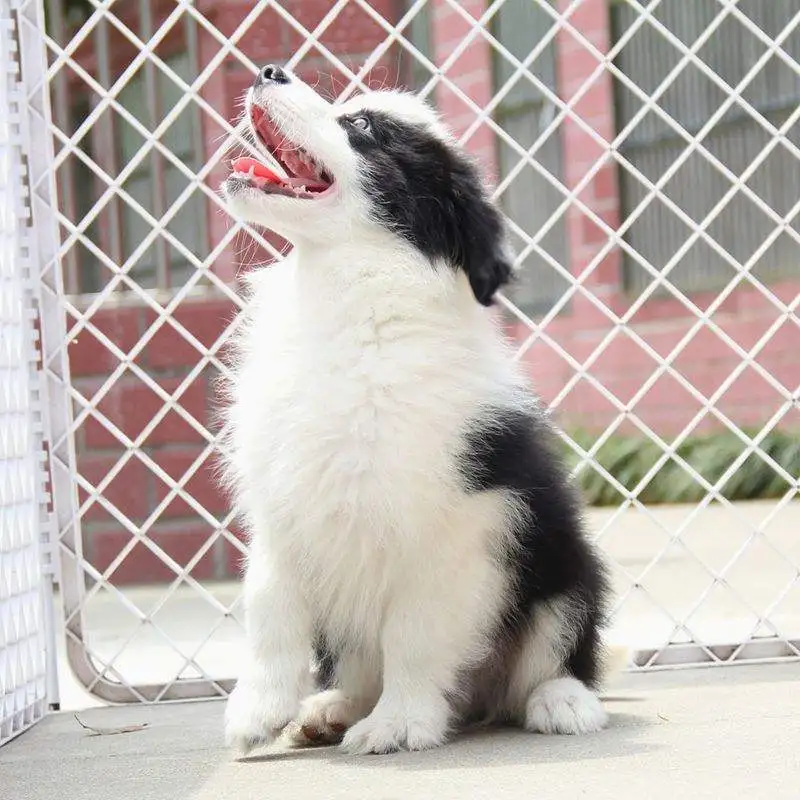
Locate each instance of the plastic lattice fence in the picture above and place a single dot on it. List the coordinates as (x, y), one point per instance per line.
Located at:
(26, 673)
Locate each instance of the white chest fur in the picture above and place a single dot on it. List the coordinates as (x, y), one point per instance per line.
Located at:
(352, 394)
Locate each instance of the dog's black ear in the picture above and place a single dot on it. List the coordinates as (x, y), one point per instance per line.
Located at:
(485, 279)
(478, 245)
(428, 191)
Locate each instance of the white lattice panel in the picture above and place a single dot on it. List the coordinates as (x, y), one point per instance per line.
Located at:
(23, 597)
(126, 245)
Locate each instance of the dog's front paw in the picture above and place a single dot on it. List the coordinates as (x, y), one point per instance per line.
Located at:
(255, 717)
(323, 718)
(385, 734)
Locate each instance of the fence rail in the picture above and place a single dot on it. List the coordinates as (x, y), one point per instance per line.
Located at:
(649, 171)
(27, 674)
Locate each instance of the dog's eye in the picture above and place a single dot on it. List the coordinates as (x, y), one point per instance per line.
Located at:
(362, 123)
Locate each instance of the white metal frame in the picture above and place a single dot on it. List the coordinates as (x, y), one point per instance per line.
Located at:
(101, 676)
(28, 685)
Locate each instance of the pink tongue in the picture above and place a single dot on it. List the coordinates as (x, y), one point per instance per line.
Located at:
(259, 170)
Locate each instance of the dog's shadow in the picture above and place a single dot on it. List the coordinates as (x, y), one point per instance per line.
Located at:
(493, 747)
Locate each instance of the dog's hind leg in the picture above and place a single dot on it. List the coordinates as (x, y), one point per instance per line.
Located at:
(560, 657)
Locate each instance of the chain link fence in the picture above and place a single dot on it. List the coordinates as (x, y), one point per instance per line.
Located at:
(649, 172)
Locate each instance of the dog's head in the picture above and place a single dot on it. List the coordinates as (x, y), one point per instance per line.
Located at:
(381, 161)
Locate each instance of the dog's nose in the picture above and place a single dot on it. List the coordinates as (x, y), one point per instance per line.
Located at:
(272, 74)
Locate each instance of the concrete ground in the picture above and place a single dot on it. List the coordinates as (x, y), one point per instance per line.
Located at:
(725, 732)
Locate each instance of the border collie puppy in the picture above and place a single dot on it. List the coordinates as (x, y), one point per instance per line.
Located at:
(411, 531)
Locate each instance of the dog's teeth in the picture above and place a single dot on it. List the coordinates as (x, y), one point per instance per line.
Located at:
(251, 173)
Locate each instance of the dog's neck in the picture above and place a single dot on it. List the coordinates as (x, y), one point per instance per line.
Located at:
(376, 265)
(379, 279)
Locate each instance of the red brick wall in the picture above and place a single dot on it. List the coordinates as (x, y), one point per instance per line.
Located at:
(172, 444)
(624, 365)
(622, 368)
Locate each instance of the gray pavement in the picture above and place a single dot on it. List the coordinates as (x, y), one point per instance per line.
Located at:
(715, 733)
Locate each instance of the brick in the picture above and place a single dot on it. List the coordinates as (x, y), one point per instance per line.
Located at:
(784, 291)
(577, 63)
(581, 151)
(783, 341)
(785, 370)
(594, 106)
(705, 346)
(450, 28)
(89, 356)
(308, 13)
(128, 491)
(751, 389)
(664, 307)
(476, 58)
(625, 385)
(707, 376)
(608, 274)
(355, 31)
(442, 12)
(131, 405)
(668, 392)
(474, 85)
(205, 320)
(174, 428)
(267, 39)
(746, 330)
(663, 339)
(589, 16)
(203, 486)
(604, 184)
(451, 106)
(622, 355)
(584, 398)
(591, 232)
(142, 565)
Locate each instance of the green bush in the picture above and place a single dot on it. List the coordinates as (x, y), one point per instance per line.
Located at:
(630, 459)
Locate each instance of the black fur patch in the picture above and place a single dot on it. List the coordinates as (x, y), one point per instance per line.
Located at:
(432, 195)
(327, 660)
(511, 449)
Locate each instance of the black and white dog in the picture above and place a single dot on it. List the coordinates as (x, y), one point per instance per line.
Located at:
(409, 521)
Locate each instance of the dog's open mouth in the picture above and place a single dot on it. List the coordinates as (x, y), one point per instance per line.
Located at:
(304, 178)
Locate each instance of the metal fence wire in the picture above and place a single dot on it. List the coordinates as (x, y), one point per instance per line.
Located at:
(646, 156)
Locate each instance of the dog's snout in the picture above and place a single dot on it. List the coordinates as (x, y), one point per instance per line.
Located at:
(271, 74)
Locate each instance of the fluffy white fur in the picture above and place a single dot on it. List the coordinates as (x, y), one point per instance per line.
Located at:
(356, 369)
